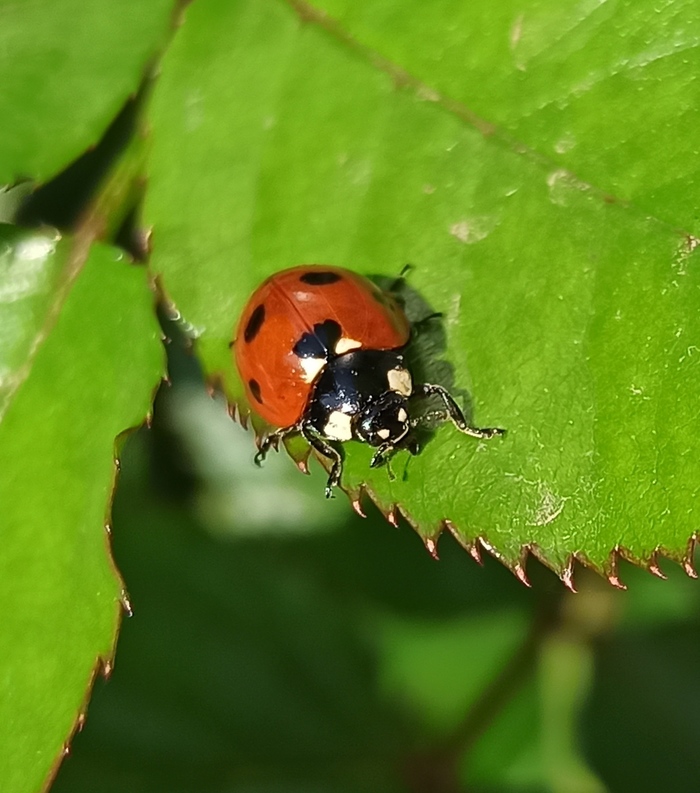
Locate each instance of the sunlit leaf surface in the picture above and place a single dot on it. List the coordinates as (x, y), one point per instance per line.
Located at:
(282, 136)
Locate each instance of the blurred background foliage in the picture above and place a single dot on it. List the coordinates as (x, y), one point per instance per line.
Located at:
(281, 643)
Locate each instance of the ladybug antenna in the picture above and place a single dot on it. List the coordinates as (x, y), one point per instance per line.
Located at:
(397, 283)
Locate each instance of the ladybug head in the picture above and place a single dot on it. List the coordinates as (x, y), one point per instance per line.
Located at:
(384, 420)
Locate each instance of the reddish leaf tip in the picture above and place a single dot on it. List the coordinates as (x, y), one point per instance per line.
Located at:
(474, 550)
(614, 579)
(521, 574)
(688, 561)
(486, 545)
(431, 547)
(653, 566)
(611, 572)
(689, 568)
(126, 603)
(517, 568)
(567, 576)
(357, 506)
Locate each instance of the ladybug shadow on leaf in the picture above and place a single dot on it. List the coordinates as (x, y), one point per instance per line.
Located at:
(426, 354)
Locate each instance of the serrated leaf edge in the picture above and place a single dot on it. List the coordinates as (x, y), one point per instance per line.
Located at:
(104, 663)
(565, 572)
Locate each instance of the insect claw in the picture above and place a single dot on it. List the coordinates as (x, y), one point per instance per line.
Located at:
(483, 432)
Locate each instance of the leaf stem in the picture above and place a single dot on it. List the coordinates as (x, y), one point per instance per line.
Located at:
(436, 770)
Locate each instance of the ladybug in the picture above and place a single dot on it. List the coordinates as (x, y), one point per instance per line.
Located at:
(320, 350)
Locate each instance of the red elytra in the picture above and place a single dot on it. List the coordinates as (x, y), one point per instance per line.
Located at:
(286, 309)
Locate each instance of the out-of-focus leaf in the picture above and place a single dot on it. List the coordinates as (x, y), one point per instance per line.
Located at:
(508, 756)
(91, 378)
(426, 662)
(262, 663)
(67, 66)
(11, 200)
(566, 665)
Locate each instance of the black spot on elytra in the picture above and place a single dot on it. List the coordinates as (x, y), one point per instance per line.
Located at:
(254, 386)
(319, 342)
(319, 278)
(254, 323)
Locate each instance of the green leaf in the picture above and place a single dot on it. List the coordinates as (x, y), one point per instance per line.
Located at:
(35, 267)
(97, 358)
(67, 66)
(605, 90)
(570, 318)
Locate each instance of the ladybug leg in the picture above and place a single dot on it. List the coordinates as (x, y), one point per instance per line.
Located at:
(272, 441)
(382, 455)
(321, 445)
(430, 416)
(454, 412)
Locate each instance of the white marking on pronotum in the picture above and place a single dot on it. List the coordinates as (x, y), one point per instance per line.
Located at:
(402, 415)
(400, 381)
(345, 345)
(384, 433)
(311, 367)
(338, 426)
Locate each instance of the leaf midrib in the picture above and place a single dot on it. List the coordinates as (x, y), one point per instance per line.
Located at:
(309, 14)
